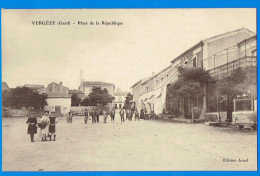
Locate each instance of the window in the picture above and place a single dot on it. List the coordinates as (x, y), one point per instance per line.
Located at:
(194, 61)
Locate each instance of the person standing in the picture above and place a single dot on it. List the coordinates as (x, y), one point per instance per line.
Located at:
(99, 113)
(142, 114)
(44, 126)
(86, 116)
(137, 115)
(105, 115)
(127, 114)
(52, 126)
(93, 116)
(32, 126)
(122, 113)
(70, 117)
(112, 114)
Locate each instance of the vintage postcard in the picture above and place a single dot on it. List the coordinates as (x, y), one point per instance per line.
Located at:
(129, 89)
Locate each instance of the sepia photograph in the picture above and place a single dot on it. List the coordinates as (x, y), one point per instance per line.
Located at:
(129, 89)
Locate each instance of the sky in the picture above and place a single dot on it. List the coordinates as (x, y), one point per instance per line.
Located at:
(147, 42)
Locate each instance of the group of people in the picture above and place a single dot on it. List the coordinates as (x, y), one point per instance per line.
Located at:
(46, 124)
(95, 114)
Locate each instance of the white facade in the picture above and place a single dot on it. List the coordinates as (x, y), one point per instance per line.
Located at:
(55, 102)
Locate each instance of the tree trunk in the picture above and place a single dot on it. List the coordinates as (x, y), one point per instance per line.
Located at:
(229, 109)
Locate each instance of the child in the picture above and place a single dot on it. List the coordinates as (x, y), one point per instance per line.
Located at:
(52, 125)
(105, 116)
(44, 125)
(69, 120)
(32, 126)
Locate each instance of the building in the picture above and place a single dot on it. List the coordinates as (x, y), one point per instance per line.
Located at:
(87, 86)
(153, 95)
(119, 98)
(60, 103)
(137, 90)
(57, 88)
(5, 87)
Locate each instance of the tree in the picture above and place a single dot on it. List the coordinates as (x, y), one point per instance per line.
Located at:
(86, 102)
(128, 98)
(100, 96)
(239, 82)
(24, 97)
(191, 82)
(75, 100)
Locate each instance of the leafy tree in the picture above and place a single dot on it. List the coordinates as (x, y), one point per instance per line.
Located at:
(100, 96)
(240, 81)
(191, 82)
(24, 97)
(127, 103)
(75, 100)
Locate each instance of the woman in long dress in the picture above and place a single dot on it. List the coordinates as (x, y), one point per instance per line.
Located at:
(32, 126)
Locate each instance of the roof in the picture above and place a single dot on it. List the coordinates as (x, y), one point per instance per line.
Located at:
(75, 92)
(57, 95)
(156, 74)
(121, 93)
(250, 38)
(5, 86)
(216, 37)
(34, 86)
(140, 81)
(95, 83)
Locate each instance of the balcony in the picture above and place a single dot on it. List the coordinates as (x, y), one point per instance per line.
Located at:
(226, 69)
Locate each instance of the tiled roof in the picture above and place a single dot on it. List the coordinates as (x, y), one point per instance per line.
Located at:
(57, 95)
(140, 81)
(75, 92)
(93, 83)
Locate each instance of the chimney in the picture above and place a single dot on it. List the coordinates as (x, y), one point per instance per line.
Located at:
(60, 83)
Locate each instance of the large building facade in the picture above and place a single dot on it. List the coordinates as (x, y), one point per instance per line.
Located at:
(87, 86)
(207, 54)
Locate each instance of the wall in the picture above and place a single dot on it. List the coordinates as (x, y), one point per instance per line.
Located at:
(65, 104)
(214, 46)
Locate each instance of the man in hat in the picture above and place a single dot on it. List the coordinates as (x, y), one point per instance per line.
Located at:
(112, 114)
(122, 113)
(32, 126)
(52, 126)
(93, 116)
(44, 126)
